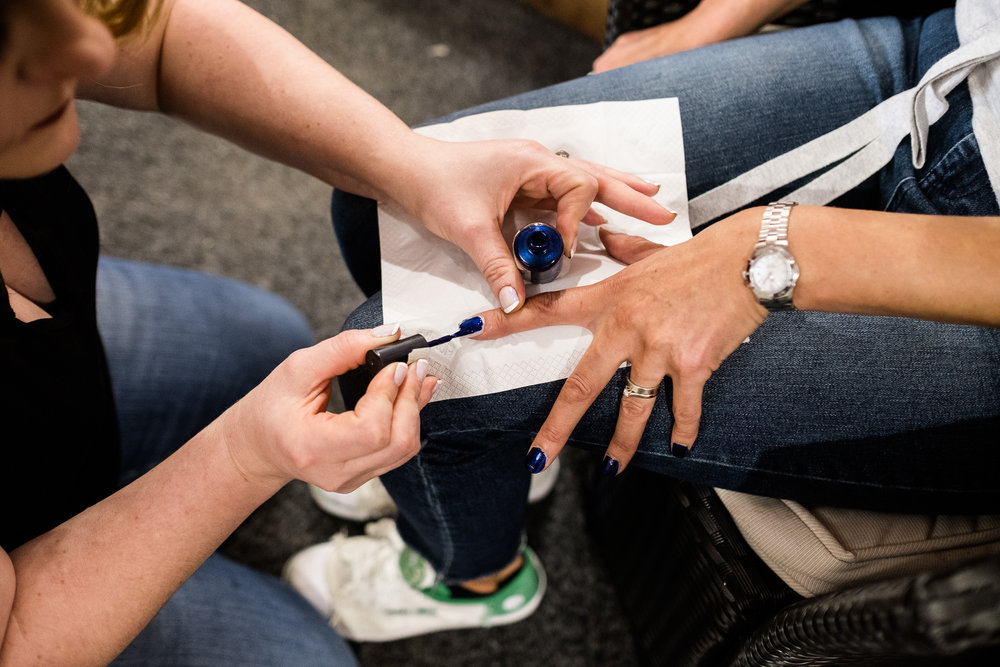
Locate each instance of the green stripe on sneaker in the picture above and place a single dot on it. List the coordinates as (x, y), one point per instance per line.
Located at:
(518, 592)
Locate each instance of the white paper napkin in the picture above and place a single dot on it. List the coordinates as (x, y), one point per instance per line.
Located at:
(430, 285)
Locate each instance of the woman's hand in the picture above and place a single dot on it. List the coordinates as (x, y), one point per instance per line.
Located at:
(464, 190)
(648, 43)
(676, 312)
(282, 428)
(708, 22)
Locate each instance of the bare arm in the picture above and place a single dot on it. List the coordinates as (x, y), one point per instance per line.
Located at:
(222, 67)
(111, 567)
(944, 268)
(680, 311)
(79, 593)
(709, 22)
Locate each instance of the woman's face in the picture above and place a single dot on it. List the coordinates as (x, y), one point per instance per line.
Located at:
(46, 46)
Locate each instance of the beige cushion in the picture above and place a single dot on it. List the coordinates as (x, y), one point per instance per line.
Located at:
(820, 549)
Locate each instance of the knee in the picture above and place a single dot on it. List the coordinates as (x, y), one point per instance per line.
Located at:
(367, 315)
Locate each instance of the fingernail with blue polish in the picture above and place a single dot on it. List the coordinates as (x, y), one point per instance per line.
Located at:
(535, 461)
(610, 467)
(679, 450)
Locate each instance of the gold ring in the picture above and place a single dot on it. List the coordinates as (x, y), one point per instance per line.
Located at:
(632, 389)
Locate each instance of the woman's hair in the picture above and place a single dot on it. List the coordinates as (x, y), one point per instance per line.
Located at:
(122, 16)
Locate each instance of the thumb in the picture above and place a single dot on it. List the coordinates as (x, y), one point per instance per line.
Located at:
(627, 248)
(571, 306)
(346, 351)
(494, 260)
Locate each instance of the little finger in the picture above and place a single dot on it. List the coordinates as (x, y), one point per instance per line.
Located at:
(687, 414)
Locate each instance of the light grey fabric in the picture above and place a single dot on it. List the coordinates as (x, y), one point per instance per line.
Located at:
(973, 19)
(821, 549)
(866, 144)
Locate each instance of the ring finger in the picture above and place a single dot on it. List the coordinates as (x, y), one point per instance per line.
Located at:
(641, 390)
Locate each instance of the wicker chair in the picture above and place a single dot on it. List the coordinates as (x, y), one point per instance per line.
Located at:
(696, 594)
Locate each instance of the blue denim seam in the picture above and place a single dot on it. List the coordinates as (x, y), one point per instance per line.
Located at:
(932, 173)
(477, 429)
(891, 200)
(715, 463)
(448, 543)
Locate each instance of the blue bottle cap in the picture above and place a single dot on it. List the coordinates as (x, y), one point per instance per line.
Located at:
(538, 252)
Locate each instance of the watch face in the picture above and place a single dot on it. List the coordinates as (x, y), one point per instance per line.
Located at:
(771, 272)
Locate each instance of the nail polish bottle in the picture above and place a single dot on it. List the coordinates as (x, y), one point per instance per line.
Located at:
(538, 252)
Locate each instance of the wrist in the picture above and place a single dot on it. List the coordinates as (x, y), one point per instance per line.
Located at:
(735, 238)
(247, 465)
(405, 170)
(713, 22)
(719, 21)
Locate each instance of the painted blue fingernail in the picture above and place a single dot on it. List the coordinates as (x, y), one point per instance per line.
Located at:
(679, 450)
(470, 326)
(610, 467)
(535, 461)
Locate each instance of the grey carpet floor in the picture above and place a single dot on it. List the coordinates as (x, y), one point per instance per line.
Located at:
(168, 194)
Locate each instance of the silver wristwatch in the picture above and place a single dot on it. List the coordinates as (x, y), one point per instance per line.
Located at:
(772, 272)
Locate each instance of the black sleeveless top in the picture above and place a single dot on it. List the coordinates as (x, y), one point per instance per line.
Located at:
(59, 443)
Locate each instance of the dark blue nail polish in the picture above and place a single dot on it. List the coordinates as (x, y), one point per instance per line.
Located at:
(470, 326)
(535, 461)
(610, 467)
(679, 450)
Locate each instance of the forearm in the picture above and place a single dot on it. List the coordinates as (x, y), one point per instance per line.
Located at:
(86, 588)
(233, 72)
(943, 268)
(224, 68)
(719, 20)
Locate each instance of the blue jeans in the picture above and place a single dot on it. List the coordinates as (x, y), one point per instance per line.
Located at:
(879, 412)
(182, 347)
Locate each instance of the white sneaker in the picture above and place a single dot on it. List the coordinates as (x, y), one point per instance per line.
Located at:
(371, 501)
(365, 503)
(375, 588)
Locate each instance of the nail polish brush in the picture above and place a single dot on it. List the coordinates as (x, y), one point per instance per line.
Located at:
(380, 357)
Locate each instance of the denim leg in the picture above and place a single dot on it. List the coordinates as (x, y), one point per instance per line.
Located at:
(880, 412)
(182, 347)
(228, 615)
(859, 411)
(461, 500)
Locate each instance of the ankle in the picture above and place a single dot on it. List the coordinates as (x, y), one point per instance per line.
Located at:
(493, 582)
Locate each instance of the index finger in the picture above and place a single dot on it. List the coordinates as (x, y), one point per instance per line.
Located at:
(577, 394)
(625, 199)
(547, 309)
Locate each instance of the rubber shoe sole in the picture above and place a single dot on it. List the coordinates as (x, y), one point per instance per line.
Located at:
(393, 595)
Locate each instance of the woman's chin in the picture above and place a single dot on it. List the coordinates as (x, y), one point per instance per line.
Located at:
(42, 150)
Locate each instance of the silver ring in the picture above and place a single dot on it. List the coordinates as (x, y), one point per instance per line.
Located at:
(632, 389)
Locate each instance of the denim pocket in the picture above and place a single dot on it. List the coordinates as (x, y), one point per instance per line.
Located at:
(954, 184)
